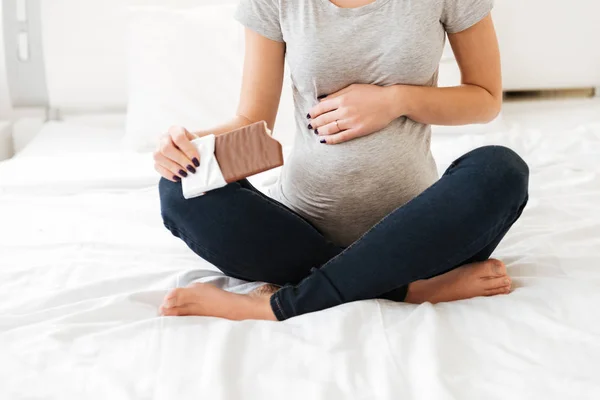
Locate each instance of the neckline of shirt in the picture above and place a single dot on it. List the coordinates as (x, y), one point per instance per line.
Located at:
(332, 8)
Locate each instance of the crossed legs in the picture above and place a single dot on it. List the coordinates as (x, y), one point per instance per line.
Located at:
(434, 248)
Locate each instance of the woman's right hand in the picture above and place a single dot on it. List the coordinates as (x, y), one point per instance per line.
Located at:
(176, 156)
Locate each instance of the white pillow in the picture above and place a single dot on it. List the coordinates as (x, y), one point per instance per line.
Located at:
(185, 68)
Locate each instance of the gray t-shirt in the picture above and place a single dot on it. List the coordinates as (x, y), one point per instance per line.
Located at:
(346, 189)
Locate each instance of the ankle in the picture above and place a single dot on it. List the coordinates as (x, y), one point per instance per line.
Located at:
(258, 308)
(417, 293)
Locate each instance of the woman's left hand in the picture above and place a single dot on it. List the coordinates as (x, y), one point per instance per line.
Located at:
(358, 110)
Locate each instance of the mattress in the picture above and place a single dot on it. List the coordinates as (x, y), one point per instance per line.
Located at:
(79, 135)
(85, 262)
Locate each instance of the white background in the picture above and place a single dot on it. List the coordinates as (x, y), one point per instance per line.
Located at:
(546, 44)
(4, 101)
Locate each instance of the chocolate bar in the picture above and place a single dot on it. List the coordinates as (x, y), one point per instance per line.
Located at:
(247, 151)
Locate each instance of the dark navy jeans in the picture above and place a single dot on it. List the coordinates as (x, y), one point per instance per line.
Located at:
(458, 220)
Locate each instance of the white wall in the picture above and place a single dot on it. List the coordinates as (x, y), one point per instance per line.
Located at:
(549, 44)
(5, 109)
(86, 70)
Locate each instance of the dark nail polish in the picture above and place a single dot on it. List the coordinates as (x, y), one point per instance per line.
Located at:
(182, 173)
(316, 131)
(196, 162)
(310, 126)
(175, 177)
(191, 169)
(322, 97)
(308, 116)
(323, 141)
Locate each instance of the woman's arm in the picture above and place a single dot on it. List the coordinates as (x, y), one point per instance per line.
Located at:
(259, 100)
(360, 110)
(477, 100)
(261, 84)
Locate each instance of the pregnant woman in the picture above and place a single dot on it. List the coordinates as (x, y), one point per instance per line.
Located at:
(358, 212)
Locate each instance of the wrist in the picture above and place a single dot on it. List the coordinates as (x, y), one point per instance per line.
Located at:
(398, 101)
(199, 134)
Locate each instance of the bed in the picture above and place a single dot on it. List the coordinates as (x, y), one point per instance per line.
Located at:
(85, 262)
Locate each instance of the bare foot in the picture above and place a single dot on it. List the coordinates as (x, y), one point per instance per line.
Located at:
(207, 300)
(487, 278)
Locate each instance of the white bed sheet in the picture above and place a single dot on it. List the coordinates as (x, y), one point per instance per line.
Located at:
(84, 264)
(83, 154)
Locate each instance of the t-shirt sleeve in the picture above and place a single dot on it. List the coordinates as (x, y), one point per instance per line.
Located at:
(459, 15)
(261, 16)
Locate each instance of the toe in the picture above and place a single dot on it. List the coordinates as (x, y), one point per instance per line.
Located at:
(496, 267)
(497, 283)
(183, 311)
(174, 298)
(498, 291)
(170, 312)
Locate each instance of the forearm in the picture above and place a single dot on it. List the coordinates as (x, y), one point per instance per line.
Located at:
(264, 64)
(237, 122)
(460, 105)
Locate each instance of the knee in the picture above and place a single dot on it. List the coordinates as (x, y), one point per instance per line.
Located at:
(505, 171)
(177, 211)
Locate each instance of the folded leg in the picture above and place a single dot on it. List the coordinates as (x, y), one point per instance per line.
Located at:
(461, 218)
(245, 234)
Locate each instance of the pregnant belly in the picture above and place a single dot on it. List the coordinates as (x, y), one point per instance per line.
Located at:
(346, 189)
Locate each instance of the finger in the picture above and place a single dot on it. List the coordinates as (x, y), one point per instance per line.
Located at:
(322, 107)
(324, 119)
(341, 137)
(169, 150)
(168, 164)
(333, 128)
(182, 139)
(165, 173)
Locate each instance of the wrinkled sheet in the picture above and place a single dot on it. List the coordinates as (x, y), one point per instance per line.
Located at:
(85, 262)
